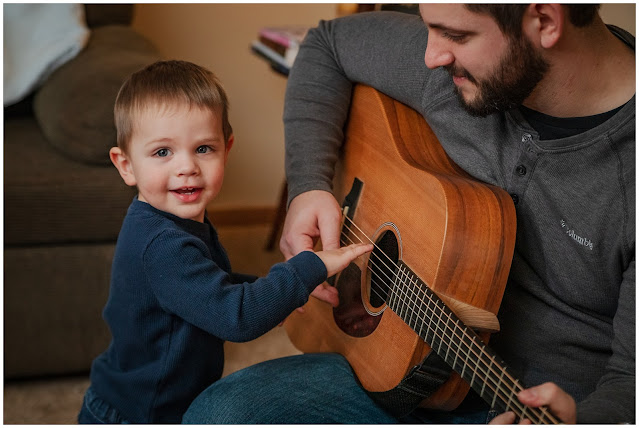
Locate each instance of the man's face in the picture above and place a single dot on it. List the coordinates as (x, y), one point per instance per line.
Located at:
(491, 72)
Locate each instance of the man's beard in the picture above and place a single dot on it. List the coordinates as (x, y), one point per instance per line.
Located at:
(515, 77)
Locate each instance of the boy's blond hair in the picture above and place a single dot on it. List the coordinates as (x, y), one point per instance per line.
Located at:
(166, 83)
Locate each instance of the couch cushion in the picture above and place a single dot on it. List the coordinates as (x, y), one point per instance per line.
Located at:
(53, 301)
(74, 106)
(51, 199)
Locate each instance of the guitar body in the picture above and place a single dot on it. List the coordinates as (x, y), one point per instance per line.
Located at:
(455, 233)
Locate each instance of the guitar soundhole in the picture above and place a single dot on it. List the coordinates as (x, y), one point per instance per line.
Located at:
(382, 264)
(358, 315)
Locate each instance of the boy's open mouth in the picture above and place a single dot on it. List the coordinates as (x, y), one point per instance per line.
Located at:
(186, 190)
(187, 194)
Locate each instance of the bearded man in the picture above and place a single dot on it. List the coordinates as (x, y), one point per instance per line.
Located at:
(536, 99)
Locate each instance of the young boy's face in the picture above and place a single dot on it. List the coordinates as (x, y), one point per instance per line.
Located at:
(176, 158)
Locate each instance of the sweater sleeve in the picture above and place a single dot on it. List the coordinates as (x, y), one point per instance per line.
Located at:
(381, 49)
(189, 284)
(614, 399)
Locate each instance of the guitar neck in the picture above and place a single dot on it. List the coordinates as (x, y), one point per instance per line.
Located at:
(458, 345)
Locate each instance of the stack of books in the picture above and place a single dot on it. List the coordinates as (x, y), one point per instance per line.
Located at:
(279, 46)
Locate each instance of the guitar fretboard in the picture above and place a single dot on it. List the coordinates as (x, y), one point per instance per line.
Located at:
(459, 345)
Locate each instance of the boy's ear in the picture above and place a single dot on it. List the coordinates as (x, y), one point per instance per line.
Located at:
(122, 163)
(229, 144)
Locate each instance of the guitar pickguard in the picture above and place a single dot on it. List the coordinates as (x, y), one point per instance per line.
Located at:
(364, 291)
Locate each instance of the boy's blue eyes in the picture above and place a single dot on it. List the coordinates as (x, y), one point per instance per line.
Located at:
(165, 152)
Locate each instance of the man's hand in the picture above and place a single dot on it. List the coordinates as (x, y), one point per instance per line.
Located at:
(548, 394)
(311, 216)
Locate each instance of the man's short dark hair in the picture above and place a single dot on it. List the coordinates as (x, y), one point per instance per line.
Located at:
(509, 16)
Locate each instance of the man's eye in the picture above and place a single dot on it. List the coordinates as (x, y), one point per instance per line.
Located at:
(162, 153)
(203, 149)
(454, 37)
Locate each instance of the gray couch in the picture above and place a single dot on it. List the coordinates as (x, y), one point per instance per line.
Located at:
(64, 202)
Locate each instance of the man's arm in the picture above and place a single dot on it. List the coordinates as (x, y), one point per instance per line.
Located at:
(383, 50)
(614, 399)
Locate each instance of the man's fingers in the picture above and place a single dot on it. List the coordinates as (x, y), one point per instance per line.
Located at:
(329, 228)
(506, 418)
(326, 293)
(560, 403)
(296, 245)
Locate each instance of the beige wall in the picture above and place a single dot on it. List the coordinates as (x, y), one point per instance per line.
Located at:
(620, 14)
(218, 36)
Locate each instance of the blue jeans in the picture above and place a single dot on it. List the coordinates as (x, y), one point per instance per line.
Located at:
(96, 411)
(303, 389)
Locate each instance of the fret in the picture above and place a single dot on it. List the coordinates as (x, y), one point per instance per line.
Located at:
(510, 398)
(414, 288)
(396, 290)
(403, 308)
(497, 387)
(448, 350)
(472, 379)
(439, 350)
(392, 292)
(483, 349)
(431, 314)
(465, 358)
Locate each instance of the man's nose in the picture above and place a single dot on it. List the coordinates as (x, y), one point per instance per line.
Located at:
(437, 55)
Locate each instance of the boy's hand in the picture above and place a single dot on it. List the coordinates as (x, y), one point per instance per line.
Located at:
(336, 260)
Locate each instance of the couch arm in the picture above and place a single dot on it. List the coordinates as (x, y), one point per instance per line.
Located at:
(74, 107)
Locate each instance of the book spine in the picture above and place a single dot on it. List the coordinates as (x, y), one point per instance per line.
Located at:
(276, 60)
(277, 47)
(277, 37)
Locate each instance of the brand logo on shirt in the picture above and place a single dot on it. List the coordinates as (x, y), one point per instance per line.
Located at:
(578, 239)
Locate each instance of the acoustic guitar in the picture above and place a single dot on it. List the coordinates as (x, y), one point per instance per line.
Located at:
(436, 276)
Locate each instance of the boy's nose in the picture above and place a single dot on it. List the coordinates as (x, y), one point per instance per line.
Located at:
(187, 166)
(437, 55)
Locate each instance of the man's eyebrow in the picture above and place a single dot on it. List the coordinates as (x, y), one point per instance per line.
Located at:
(442, 27)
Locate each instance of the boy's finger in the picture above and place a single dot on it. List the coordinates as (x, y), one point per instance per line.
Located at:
(359, 249)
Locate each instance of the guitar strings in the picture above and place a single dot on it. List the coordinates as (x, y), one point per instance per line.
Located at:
(496, 387)
(480, 352)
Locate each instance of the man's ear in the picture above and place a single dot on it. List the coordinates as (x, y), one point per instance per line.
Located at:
(229, 144)
(122, 163)
(544, 24)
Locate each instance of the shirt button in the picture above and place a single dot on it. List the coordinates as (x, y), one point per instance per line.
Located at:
(521, 170)
(515, 198)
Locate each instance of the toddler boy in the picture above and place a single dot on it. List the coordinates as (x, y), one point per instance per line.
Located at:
(173, 299)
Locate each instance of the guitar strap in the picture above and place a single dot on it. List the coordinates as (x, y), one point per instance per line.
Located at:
(422, 380)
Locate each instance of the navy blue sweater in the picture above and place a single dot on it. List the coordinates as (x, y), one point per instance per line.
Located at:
(172, 303)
